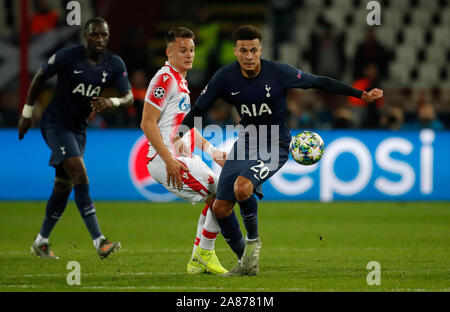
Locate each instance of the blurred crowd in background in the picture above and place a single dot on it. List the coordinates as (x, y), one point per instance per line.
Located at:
(325, 37)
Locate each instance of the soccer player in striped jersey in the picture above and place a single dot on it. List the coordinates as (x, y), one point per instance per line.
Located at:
(170, 159)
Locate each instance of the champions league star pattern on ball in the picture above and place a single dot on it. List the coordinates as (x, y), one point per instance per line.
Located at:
(307, 148)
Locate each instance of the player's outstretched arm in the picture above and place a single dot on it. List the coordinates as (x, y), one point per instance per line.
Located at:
(149, 125)
(217, 155)
(27, 112)
(335, 86)
(99, 104)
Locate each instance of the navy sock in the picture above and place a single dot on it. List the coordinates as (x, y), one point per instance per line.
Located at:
(91, 223)
(249, 213)
(231, 231)
(87, 209)
(56, 205)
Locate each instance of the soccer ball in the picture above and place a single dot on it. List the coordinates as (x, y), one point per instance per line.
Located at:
(307, 148)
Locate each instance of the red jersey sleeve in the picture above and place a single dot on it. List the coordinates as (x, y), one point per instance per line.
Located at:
(159, 90)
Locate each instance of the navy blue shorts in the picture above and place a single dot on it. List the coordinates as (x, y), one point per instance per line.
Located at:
(64, 143)
(257, 167)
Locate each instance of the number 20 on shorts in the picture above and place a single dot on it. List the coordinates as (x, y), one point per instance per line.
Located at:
(261, 171)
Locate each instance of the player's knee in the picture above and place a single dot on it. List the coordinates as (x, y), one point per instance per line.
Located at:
(210, 201)
(78, 177)
(82, 179)
(243, 189)
(221, 209)
(75, 169)
(63, 186)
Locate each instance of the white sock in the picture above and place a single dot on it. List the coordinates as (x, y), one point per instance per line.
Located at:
(97, 241)
(40, 239)
(210, 231)
(200, 224)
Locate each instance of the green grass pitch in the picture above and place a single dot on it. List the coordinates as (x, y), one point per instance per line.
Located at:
(307, 246)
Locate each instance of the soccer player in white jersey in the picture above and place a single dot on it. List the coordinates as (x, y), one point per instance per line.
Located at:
(170, 162)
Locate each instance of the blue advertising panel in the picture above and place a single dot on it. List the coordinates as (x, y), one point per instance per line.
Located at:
(357, 165)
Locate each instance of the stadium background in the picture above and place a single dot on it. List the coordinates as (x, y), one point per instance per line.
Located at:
(407, 55)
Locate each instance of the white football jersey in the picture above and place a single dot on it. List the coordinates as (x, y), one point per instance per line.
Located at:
(168, 92)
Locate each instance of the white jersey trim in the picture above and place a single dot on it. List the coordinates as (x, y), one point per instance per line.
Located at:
(150, 102)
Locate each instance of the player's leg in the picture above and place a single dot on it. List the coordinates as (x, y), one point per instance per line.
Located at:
(200, 224)
(201, 180)
(76, 170)
(210, 229)
(55, 207)
(205, 254)
(206, 231)
(194, 267)
(248, 182)
(199, 184)
(63, 144)
(243, 190)
(157, 171)
(229, 226)
(224, 204)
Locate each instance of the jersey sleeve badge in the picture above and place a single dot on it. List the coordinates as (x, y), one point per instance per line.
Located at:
(51, 60)
(159, 92)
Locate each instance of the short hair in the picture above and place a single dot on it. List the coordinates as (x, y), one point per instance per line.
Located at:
(95, 20)
(179, 32)
(246, 32)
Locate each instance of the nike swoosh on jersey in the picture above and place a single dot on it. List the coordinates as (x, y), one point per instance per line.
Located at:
(77, 72)
(235, 93)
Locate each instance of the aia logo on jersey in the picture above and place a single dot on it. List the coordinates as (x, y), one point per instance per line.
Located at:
(254, 111)
(184, 105)
(142, 180)
(88, 91)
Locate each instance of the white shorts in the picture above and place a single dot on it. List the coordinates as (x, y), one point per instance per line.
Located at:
(199, 183)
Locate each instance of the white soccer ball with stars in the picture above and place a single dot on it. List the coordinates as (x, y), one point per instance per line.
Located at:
(307, 148)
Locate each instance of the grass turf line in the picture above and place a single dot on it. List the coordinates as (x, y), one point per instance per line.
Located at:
(307, 246)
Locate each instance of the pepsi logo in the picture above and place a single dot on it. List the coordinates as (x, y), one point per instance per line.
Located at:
(141, 178)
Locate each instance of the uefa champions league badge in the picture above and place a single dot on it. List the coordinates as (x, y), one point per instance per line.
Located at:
(141, 178)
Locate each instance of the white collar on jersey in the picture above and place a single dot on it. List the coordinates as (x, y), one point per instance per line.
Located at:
(183, 80)
(171, 66)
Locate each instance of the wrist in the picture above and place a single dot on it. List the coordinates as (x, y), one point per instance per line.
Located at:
(166, 154)
(210, 150)
(27, 111)
(115, 101)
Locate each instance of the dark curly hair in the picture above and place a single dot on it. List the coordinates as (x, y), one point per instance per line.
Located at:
(246, 32)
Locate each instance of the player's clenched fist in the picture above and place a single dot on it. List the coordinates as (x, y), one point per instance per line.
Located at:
(99, 104)
(372, 95)
(180, 147)
(219, 157)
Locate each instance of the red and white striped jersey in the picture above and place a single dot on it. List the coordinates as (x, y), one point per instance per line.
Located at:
(168, 91)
